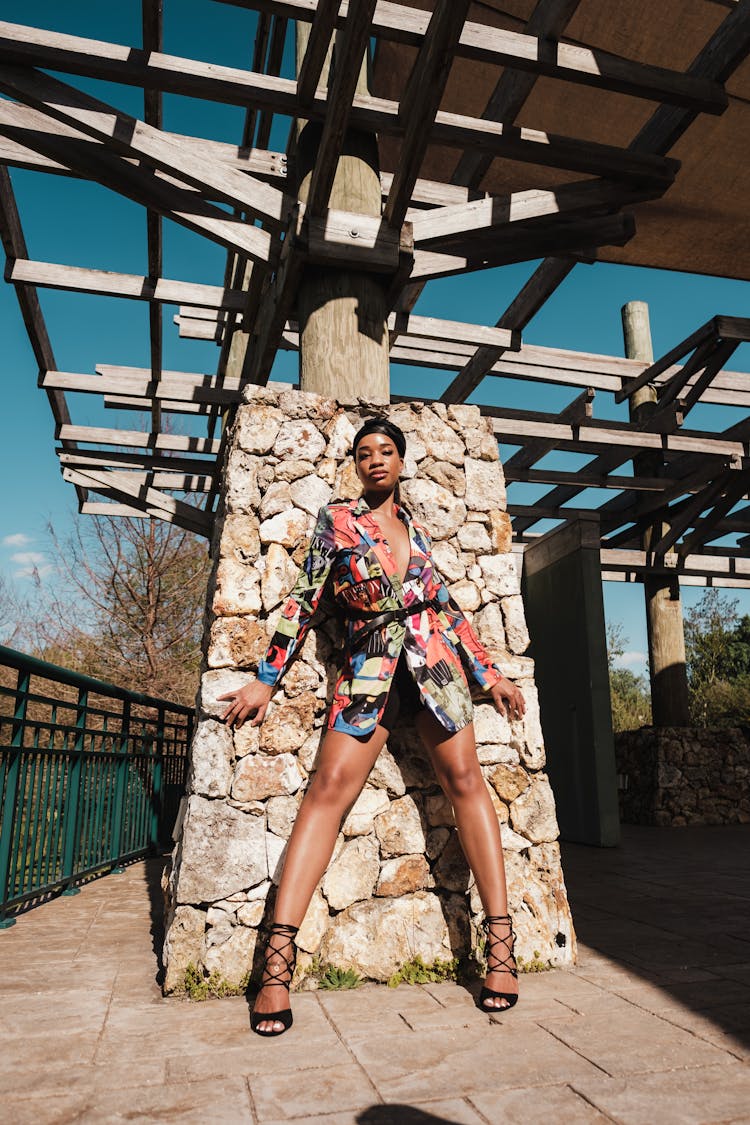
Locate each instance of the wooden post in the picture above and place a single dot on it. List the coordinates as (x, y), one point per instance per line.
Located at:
(666, 635)
(343, 344)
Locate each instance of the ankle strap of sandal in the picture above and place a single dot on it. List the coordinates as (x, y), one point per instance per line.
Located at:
(282, 974)
(495, 963)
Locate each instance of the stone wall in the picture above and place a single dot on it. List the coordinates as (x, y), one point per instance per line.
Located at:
(684, 775)
(397, 885)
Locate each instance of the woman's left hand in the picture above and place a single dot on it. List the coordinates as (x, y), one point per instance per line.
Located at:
(508, 699)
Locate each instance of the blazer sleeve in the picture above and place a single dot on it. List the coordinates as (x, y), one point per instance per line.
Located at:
(302, 602)
(471, 650)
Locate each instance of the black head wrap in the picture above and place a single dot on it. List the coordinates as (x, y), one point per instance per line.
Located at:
(381, 426)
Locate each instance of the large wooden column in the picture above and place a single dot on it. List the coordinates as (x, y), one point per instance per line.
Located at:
(342, 313)
(666, 635)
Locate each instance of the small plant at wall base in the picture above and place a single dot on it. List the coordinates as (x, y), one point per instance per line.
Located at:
(417, 971)
(333, 979)
(196, 986)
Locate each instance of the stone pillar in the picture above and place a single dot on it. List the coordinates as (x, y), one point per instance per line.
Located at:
(666, 635)
(398, 885)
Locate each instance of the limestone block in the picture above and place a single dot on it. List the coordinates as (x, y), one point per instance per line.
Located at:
(441, 440)
(406, 418)
(434, 507)
(223, 851)
(241, 492)
(236, 642)
(403, 875)
(310, 494)
(340, 433)
(287, 726)
(258, 892)
(465, 418)
(292, 470)
(256, 429)
(437, 838)
(497, 753)
(211, 759)
(511, 841)
(301, 677)
(347, 484)
(509, 781)
(237, 589)
(307, 404)
(450, 565)
(482, 445)
(233, 959)
(532, 814)
(526, 734)
(218, 917)
(301, 440)
(489, 626)
(185, 944)
(451, 870)
(258, 776)
(279, 577)
(251, 913)
(276, 498)
(380, 936)
(219, 682)
(281, 813)
(485, 486)
(516, 633)
(500, 575)
(473, 537)
(438, 810)
(446, 475)
(238, 537)
(326, 470)
(514, 667)
(466, 595)
(308, 751)
(501, 532)
(246, 740)
(399, 828)
(314, 924)
(275, 849)
(369, 804)
(386, 774)
(352, 876)
(286, 529)
(490, 726)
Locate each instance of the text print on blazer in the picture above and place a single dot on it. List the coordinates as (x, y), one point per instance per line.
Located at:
(348, 546)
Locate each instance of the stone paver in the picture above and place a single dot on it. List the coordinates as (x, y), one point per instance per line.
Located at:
(653, 1025)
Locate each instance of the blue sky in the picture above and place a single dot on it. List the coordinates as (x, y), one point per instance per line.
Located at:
(82, 224)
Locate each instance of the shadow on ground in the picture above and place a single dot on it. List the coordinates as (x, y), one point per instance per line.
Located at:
(673, 906)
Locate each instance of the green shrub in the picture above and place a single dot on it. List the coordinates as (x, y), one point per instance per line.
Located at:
(417, 972)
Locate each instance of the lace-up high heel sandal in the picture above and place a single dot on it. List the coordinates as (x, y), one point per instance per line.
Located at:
(280, 959)
(498, 962)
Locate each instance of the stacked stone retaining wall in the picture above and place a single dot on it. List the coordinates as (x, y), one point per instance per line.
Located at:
(398, 885)
(684, 775)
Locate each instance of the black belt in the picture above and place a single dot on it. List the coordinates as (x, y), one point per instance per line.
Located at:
(389, 616)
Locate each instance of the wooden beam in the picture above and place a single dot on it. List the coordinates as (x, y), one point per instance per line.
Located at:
(350, 49)
(707, 528)
(323, 27)
(499, 47)
(151, 500)
(583, 478)
(117, 459)
(577, 411)
(136, 139)
(51, 275)
(136, 439)
(421, 100)
(114, 62)
(459, 224)
(139, 183)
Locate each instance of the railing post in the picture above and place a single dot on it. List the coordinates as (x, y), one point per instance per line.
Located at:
(73, 794)
(122, 768)
(10, 794)
(157, 800)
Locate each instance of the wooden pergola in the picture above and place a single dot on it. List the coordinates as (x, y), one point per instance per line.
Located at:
(466, 186)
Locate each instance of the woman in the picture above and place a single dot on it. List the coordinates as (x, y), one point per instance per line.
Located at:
(406, 641)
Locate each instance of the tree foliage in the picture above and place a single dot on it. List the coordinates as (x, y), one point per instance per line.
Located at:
(125, 603)
(630, 696)
(717, 647)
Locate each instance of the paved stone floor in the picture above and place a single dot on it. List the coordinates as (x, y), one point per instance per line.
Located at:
(651, 1028)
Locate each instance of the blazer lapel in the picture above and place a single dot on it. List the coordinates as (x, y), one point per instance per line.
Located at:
(372, 537)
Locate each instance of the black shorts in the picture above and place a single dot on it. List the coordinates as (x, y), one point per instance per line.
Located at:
(404, 699)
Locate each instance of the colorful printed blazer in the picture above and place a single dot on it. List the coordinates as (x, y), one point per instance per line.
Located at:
(348, 548)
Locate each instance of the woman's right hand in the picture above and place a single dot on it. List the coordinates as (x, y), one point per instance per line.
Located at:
(254, 696)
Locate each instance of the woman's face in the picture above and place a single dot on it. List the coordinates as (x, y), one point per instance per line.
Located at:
(377, 462)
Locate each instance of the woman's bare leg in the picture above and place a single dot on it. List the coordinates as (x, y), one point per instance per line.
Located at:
(344, 764)
(454, 759)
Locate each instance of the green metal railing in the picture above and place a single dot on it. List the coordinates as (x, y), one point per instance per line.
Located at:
(91, 776)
